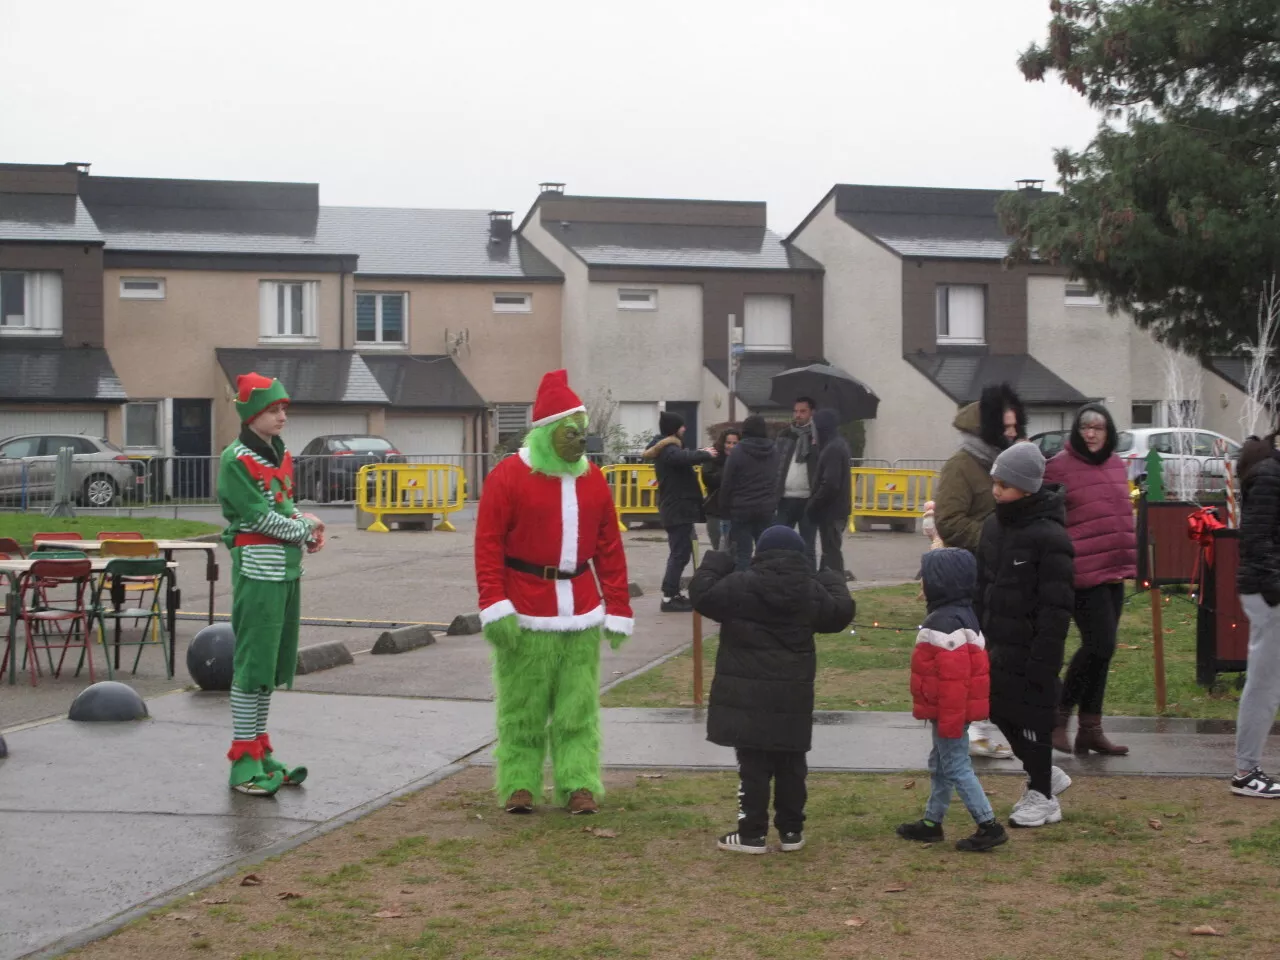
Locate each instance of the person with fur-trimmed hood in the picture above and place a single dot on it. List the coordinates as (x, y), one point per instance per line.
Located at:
(963, 500)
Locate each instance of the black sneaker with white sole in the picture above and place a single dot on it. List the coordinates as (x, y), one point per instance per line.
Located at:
(988, 836)
(1255, 783)
(677, 604)
(737, 843)
(791, 841)
(921, 831)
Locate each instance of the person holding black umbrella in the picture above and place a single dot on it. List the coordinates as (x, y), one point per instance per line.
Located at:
(797, 471)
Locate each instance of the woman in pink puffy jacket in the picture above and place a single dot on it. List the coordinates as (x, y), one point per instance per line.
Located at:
(1100, 521)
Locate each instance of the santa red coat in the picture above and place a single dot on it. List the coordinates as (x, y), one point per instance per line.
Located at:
(556, 522)
(950, 679)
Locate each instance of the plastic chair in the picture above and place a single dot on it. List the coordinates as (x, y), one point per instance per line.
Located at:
(12, 548)
(64, 535)
(119, 535)
(117, 579)
(35, 614)
(133, 549)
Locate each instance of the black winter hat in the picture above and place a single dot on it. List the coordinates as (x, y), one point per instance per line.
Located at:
(669, 424)
(779, 538)
(755, 426)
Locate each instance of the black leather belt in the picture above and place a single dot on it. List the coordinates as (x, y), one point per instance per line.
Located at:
(545, 573)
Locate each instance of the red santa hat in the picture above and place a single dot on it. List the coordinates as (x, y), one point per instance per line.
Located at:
(555, 400)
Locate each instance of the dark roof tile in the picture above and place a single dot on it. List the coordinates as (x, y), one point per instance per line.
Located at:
(670, 245)
(46, 217)
(41, 374)
(755, 377)
(424, 381)
(962, 377)
(310, 376)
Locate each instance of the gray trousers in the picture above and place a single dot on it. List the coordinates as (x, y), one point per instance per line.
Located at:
(1261, 697)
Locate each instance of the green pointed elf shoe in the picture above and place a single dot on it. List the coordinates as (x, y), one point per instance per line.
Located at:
(247, 773)
(293, 777)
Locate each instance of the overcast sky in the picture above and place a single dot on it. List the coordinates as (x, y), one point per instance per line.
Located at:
(463, 104)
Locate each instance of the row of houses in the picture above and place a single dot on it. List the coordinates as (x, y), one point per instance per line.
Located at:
(128, 307)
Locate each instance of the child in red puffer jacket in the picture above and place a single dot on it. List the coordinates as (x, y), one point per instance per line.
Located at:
(949, 687)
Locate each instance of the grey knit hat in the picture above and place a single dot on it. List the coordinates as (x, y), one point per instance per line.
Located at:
(1021, 466)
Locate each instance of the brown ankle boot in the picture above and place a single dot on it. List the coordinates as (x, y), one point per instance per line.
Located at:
(581, 801)
(1060, 740)
(1090, 737)
(520, 802)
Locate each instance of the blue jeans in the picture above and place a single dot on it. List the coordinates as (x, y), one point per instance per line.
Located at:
(791, 514)
(950, 767)
(743, 535)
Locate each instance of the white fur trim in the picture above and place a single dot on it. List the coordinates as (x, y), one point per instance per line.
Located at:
(580, 621)
(953, 640)
(623, 625)
(568, 524)
(558, 416)
(564, 598)
(496, 611)
(524, 456)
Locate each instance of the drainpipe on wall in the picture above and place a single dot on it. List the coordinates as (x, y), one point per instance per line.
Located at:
(342, 309)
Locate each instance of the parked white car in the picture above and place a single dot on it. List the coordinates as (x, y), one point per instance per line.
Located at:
(101, 472)
(1200, 453)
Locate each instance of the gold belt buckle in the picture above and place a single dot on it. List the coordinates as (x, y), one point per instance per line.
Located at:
(550, 573)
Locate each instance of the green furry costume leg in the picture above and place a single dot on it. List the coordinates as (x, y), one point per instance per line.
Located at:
(545, 675)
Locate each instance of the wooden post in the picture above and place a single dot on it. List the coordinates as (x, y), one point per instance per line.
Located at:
(697, 636)
(1157, 627)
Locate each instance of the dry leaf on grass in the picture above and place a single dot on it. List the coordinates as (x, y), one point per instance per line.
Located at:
(388, 914)
(909, 785)
(399, 803)
(896, 888)
(252, 880)
(649, 776)
(1204, 930)
(215, 900)
(600, 832)
(861, 703)
(288, 895)
(855, 922)
(1178, 953)
(1127, 646)
(1197, 840)
(179, 916)
(1155, 824)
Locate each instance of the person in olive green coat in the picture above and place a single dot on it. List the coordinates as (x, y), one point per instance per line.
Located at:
(962, 498)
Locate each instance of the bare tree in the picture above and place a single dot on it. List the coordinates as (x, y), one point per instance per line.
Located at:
(1184, 380)
(1260, 383)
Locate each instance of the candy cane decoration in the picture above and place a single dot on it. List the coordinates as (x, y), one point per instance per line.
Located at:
(1228, 470)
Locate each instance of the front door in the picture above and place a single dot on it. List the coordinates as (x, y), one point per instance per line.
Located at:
(192, 448)
(688, 411)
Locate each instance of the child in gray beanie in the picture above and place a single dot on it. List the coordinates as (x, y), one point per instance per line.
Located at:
(1024, 602)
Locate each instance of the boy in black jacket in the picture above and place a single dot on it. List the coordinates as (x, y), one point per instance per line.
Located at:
(748, 495)
(1024, 602)
(679, 503)
(762, 694)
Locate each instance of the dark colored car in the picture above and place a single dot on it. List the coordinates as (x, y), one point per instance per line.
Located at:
(327, 467)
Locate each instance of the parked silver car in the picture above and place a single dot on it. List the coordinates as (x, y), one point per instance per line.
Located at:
(1200, 453)
(101, 473)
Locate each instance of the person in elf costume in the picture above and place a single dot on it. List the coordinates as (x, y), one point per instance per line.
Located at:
(266, 535)
(546, 519)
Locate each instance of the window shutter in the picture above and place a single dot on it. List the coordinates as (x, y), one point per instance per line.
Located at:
(767, 323)
(966, 312)
(267, 308)
(310, 307)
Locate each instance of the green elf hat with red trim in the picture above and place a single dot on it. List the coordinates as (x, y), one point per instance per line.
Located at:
(254, 393)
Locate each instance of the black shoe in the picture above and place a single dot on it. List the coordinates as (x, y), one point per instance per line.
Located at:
(920, 831)
(1255, 783)
(988, 836)
(737, 843)
(791, 841)
(677, 604)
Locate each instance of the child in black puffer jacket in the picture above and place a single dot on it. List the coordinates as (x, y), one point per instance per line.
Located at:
(1024, 602)
(762, 694)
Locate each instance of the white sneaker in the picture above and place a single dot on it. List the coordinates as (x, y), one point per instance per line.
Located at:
(985, 741)
(1035, 810)
(1060, 781)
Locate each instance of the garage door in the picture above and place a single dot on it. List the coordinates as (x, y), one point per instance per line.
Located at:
(1043, 419)
(14, 422)
(304, 427)
(426, 436)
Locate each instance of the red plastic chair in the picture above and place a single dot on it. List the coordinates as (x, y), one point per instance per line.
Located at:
(36, 616)
(64, 535)
(121, 535)
(12, 548)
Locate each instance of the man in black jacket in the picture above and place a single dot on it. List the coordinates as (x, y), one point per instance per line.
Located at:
(748, 491)
(832, 499)
(797, 470)
(679, 503)
(762, 694)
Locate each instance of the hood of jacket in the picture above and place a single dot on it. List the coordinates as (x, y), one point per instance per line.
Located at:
(826, 426)
(984, 418)
(651, 453)
(950, 577)
(758, 448)
(1080, 448)
(783, 577)
(1050, 503)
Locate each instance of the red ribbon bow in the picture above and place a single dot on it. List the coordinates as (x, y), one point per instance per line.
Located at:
(1200, 527)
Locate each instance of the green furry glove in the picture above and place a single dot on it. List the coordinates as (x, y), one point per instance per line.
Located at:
(503, 633)
(615, 639)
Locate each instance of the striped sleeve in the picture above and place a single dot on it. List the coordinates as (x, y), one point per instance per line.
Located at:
(242, 497)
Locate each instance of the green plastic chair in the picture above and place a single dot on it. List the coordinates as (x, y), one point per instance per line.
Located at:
(112, 584)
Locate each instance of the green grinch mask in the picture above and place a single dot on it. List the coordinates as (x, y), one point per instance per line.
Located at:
(557, 448)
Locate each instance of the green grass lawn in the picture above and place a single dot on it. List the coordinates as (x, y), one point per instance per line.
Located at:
(868, 668)
(20, 526)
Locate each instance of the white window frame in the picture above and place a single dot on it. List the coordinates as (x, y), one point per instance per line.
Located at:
(1077, 294)
(747, 326)
(41, 305)
(377, 319)
(649, 301)
(155, 293)
(524, 306)
(941, 309)
(271, 322)
(158, 407)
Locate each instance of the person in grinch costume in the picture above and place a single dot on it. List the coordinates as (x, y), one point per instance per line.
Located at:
(546, 519)
(266, 535)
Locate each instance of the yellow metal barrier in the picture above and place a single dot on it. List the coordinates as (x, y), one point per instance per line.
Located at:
(412, 489)
(890, 494)
(635, 490)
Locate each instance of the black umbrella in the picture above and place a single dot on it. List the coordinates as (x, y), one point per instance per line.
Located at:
(830, 386)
